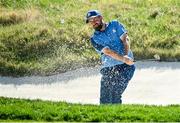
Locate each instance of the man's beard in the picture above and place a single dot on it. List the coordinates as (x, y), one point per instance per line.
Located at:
(99, 27)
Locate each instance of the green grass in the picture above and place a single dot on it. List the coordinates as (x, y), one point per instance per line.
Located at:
(38, 110)
(47, 36)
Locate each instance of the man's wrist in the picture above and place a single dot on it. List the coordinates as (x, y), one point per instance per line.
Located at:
(123, 59)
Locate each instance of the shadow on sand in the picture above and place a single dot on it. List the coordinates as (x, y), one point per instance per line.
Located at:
(83, 72)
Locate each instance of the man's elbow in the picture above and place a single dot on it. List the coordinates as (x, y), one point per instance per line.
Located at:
(106, 51)
(123, 37)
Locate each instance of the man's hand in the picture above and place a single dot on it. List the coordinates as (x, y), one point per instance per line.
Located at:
(128, 60)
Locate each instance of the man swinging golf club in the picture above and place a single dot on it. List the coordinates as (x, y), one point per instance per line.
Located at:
(110, 40)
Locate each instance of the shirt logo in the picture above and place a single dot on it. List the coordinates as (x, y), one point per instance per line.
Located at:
(114, 30)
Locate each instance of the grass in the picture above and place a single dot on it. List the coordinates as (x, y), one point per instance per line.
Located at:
(37, 110)
(48, 36)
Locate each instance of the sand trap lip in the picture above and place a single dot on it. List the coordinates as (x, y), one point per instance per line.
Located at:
(153, 83)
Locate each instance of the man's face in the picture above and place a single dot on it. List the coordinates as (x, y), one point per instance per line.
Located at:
(96, 22)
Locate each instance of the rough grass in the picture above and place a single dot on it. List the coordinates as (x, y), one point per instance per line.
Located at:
(17, 16)
(37, 110)
(47, 36)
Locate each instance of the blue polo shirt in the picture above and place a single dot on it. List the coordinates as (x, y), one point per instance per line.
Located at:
(110, 38)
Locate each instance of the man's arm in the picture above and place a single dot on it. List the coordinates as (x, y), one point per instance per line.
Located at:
(111, 53)
(116, 56)
(125, 41)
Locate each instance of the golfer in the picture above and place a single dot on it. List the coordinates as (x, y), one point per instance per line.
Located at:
(110, 40)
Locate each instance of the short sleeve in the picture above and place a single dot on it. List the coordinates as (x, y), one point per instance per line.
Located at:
(120, 29)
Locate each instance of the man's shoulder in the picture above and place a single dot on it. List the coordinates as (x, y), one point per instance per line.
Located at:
(95, 34)
(114, 22)
(93, 37)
